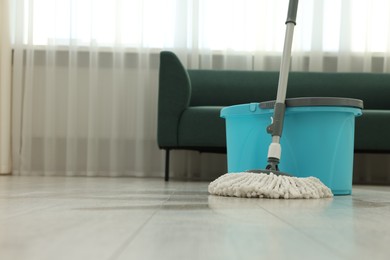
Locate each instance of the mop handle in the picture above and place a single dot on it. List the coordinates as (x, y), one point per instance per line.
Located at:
(277, 126)
(286, 58)
(292, 11)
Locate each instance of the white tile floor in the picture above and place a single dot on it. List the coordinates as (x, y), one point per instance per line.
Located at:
(131, 218)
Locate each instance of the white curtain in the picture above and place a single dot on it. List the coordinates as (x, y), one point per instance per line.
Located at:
(85, 72)
(5, 89)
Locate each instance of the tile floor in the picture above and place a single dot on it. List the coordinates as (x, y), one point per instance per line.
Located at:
(133, 218)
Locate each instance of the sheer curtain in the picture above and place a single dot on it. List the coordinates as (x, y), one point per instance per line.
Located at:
(85, 72)
(5, 89)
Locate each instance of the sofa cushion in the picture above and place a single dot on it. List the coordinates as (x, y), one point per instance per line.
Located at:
(372, 131)
(202, 127)
(225, 88)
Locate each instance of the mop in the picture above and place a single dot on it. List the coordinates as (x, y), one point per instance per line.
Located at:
(270, 182)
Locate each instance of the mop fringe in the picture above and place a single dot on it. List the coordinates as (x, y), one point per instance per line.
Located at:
(261, 185)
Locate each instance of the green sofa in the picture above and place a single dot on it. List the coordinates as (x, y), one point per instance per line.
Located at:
(190, 102)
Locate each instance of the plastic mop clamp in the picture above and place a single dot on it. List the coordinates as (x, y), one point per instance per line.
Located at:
(270, 182)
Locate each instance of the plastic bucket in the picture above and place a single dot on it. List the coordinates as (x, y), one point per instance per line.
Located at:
(317, 138)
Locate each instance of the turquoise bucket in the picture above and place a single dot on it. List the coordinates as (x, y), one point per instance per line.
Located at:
(317, 138)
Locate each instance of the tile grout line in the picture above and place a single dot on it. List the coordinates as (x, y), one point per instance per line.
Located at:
(131, 238)
(6, 218)
(332, 250)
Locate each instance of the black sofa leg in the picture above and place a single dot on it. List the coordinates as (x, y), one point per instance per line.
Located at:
(167, 165)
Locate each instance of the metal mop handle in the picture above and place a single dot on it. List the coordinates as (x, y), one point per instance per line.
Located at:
(276, 128)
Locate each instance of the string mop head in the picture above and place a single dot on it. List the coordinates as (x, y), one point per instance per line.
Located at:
(262, 185)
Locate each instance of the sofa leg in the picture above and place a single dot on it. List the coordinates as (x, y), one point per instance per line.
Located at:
(167, 165)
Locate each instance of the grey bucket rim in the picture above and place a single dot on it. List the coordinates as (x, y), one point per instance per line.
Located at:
(316, 101)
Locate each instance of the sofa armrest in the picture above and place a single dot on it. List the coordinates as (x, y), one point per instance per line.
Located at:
(173, 98)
